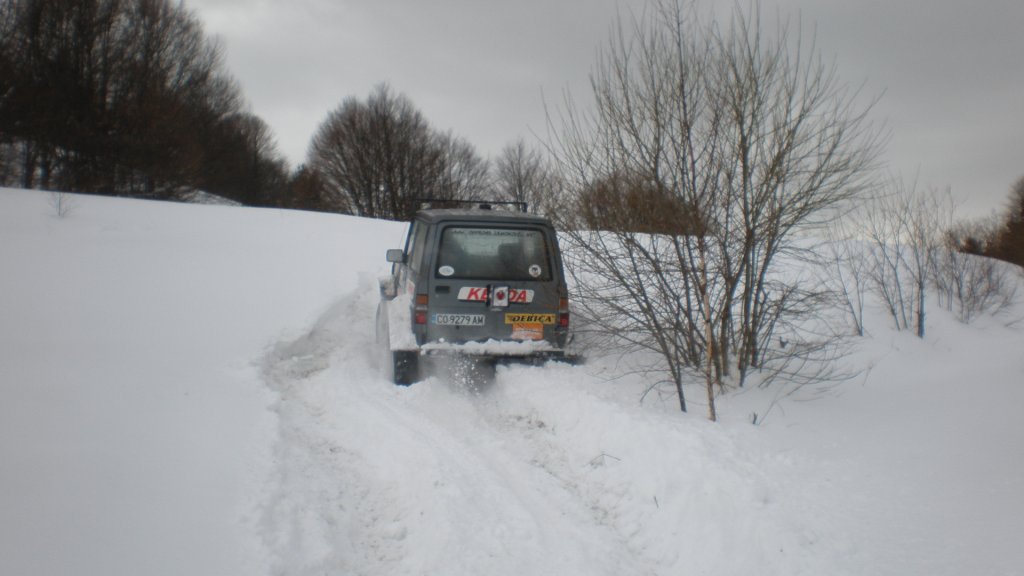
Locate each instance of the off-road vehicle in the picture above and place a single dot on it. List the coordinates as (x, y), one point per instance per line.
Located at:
(480, 283)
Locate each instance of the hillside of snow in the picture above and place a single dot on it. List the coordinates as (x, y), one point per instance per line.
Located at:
(191, 389)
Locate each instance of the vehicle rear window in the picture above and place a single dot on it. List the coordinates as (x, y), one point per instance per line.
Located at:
(479, 253)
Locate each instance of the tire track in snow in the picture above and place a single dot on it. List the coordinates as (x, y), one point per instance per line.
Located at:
(377, 479)
(318, 495)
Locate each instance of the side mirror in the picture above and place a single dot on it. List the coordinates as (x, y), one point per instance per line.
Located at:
(396, 256)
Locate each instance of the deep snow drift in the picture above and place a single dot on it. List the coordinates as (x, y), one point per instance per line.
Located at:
(193, 390)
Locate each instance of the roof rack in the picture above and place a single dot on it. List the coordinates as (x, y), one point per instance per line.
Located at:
(427, 203)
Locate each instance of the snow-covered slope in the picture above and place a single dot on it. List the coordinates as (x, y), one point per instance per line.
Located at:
(193, 390)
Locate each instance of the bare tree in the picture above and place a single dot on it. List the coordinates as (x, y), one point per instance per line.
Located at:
(241, 162)
(376, 158)
(465, 174)
(522, 174)
(753, 140)
(846, 272)
(905, 228)
(305, 191)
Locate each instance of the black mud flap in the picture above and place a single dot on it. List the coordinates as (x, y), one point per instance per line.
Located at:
(406, 364)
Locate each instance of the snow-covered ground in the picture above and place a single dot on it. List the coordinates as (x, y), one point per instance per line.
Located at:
(193, 390)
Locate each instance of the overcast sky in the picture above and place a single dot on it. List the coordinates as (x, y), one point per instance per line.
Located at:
(950, 73)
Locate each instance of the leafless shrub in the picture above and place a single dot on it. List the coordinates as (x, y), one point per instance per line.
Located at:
(969, 285)
(845, 273)
(903, 228)
(914, 248)
(746, 141)
(62, 203)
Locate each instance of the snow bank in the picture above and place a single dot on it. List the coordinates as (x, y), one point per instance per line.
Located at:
(194, 390)
(134, 435)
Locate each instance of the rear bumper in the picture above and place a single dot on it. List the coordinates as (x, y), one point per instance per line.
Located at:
(528, 352)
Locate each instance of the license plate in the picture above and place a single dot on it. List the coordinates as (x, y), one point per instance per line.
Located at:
(459, 319)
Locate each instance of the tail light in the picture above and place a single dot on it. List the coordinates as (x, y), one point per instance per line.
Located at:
(420, 311)
(563, 313)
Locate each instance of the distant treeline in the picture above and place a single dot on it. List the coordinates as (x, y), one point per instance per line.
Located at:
(125, 97)
(1000, 236)
(130, 98)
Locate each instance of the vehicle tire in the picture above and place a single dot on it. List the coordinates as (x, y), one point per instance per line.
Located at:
(406, 367)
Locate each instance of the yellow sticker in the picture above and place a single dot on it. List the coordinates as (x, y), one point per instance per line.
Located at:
(520, 318)
(527, 331)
